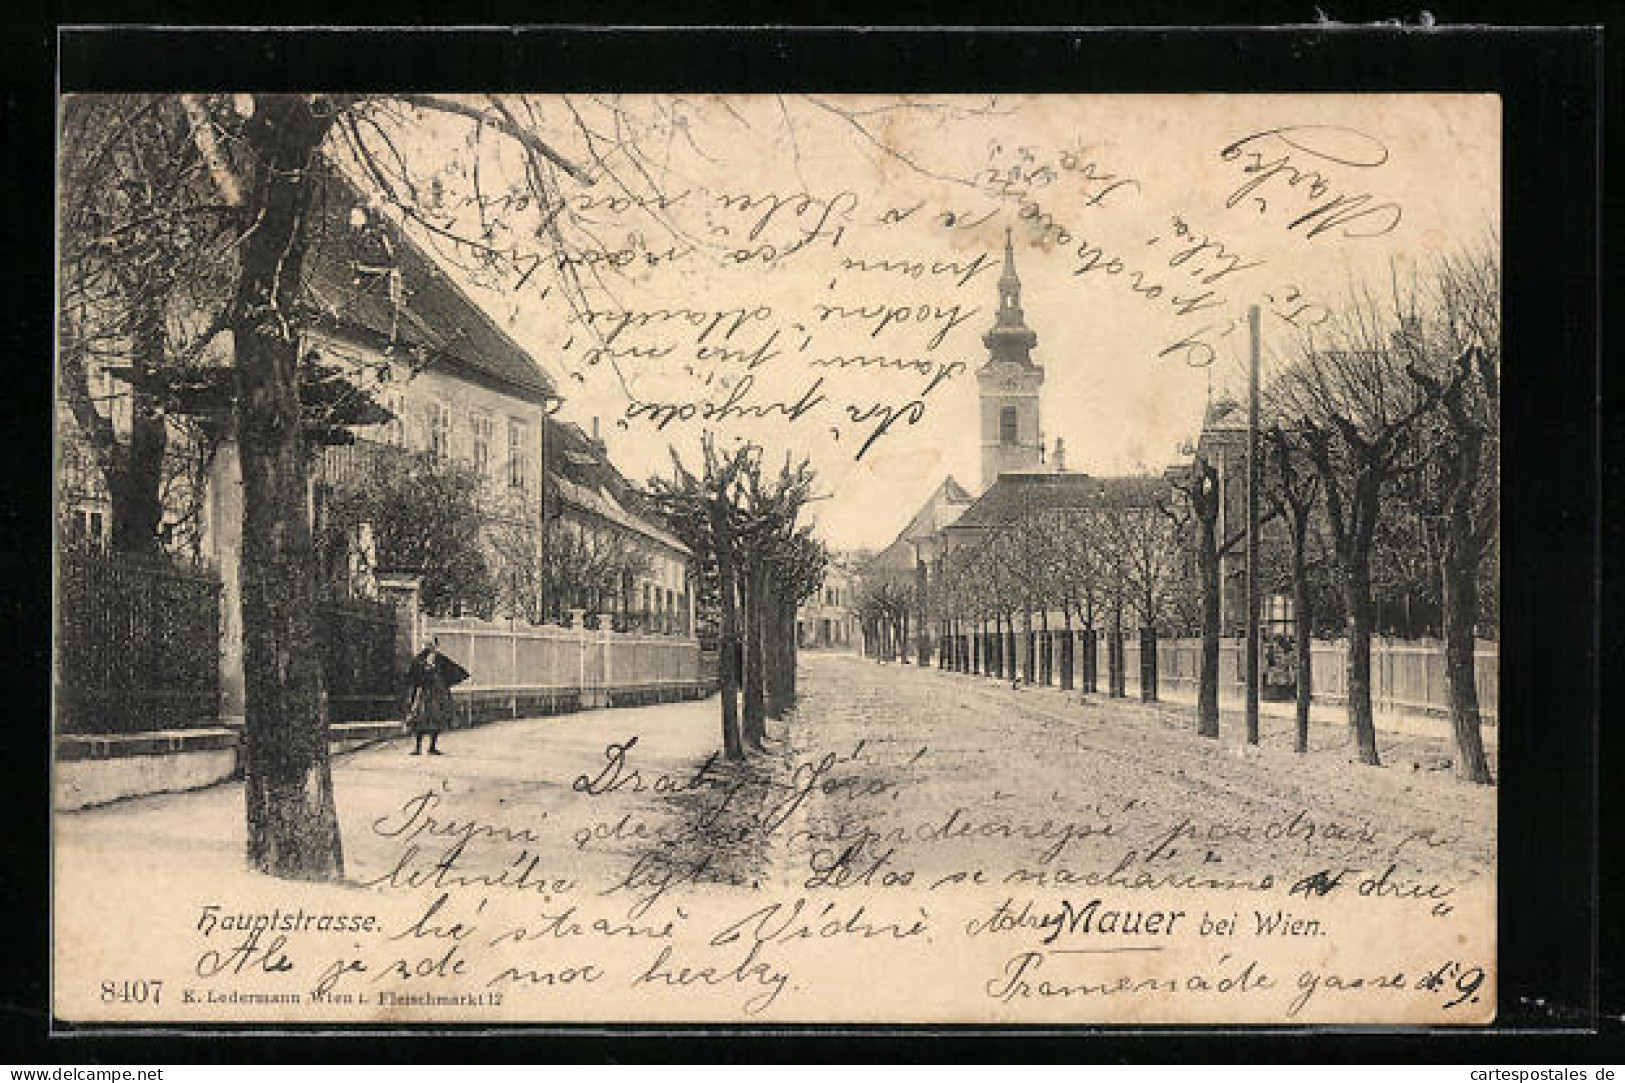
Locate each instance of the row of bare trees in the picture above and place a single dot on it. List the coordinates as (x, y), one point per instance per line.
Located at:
(185, 226)
(1380, 450)
(1114, 555)
(1391, 411)
(742, 525)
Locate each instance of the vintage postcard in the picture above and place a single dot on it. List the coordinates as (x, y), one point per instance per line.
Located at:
(777, 559)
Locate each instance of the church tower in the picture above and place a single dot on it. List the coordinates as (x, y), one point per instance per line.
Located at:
(1009, 384)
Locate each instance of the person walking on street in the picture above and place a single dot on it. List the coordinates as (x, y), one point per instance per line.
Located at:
(430, 680)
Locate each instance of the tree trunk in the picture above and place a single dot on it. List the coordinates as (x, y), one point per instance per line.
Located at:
(775, 648)
(1046, 650)
(1148, 664)
(1357, 601)
(1458, 578)
(1027, 642)
(1207, 691)
(293, 827)
(1068, 651)
(792, 656)
(922, 640)
(755, 723)
(136, 489)
(1116, 677)
(1302, 629)
(733, 746)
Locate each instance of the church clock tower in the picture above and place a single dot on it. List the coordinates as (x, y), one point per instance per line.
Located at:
(1009, 384)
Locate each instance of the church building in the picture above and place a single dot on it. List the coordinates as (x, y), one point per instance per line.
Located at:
(1009, 385)
(1018, 477)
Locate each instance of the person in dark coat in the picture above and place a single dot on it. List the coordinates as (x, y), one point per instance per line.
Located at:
(430, 681)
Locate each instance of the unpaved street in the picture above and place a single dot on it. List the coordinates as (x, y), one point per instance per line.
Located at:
(915, 845)
(949, 773)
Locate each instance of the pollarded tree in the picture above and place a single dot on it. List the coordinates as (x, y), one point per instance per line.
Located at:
(706, 511)
(796, 571)
(1293, 495)
(883, 606)
(1356, 411)
(1456, 358)
(768, 521)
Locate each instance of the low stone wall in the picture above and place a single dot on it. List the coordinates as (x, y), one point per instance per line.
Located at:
(94, 770)
(515, 672)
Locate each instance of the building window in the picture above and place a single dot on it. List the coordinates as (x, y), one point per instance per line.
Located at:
(1007, 425)
(395, 428)
(85, 528)
(516, 455)
(439, 430)
(482, 426)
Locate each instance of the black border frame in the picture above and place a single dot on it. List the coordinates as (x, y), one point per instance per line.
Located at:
(1550, 80)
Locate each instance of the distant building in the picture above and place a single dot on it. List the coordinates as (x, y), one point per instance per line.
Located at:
(1018, 477)
(1223, 444)
(827, 619)
(592, 505)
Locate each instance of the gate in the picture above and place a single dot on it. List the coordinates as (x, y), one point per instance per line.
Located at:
(357, 637)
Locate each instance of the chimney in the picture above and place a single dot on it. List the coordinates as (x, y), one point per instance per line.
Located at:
(597, 440)
(1060, 455)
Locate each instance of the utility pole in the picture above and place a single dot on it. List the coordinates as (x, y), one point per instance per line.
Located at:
(1254, 479)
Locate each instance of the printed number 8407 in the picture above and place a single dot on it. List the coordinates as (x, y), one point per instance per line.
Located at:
(140, 991)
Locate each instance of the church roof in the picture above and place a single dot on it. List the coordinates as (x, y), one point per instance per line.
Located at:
(942, 507)
(1018, 493)
(945, 504)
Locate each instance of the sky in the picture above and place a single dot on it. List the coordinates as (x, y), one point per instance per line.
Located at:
(821, 229)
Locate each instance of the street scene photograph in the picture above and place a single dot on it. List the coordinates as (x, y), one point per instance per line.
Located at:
(776, 558)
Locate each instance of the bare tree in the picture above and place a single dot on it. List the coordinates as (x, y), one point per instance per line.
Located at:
(705, 511)
(1293, 497)
(796, 572)
(1356, 411)
(1455, 358)
(261, 159)
(1204, 495)
(1143, 544)
(143, 280)
(769, 523)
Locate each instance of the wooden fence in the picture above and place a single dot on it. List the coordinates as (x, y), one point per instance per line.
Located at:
(517, 669)
(1406, 675)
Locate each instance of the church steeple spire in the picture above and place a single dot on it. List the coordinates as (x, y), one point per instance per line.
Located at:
(1008, 280)
(1010, 338)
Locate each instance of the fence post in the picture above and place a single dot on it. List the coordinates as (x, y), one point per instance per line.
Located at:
(223, 509)
(1148, 664)
(578, 621)
(403, 591)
